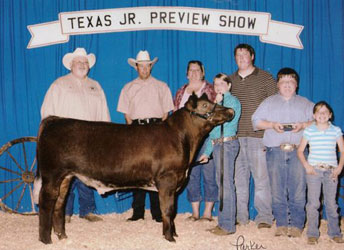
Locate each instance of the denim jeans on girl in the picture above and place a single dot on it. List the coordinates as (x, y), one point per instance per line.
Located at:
(314, 183)
(226, 217)
(288, 187)
(193, 188)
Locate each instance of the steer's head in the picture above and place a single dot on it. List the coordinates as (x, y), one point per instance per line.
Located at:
(208, 111)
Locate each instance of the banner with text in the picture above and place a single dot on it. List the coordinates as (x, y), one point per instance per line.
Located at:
(166, 18)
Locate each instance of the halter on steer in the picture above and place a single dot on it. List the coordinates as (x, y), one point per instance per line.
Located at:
(204, 116)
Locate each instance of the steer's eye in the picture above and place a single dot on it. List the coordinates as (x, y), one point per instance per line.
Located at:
(205, 105)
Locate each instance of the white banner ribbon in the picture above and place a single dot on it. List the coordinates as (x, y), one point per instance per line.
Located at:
(166, 18)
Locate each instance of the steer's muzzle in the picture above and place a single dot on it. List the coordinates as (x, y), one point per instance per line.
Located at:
(222, 115)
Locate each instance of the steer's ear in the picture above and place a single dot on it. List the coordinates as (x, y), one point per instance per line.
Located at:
(204, 97)
(192, 101)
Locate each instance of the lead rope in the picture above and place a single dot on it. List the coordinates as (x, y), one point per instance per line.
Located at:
(221, 165)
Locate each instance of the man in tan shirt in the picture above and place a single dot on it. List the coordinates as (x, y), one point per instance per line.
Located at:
(145, 100)
(77, 96)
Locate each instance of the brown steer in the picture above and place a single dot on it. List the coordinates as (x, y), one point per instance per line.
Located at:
(110, 156)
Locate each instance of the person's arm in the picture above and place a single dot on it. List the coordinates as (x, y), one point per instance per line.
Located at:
(298, 126)
(128, 119)
(262, 125)
(271, 86)
(338, 170)
(309, 169)
(164, 117)
(105, 113)
(260, 118)
(48, 105)
(204, 158)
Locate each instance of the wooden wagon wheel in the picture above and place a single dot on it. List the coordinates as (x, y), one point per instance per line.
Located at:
(17, 174)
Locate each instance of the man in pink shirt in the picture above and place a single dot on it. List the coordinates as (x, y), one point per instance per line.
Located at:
(145, 100)
(77, 96)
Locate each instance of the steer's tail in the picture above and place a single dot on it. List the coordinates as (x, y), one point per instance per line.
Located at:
(37, 185)
(37, 188)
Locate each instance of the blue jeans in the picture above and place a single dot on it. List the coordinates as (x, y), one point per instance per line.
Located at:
(86, 199)
(226, 217)
(288, 186)
(252, 158)
(193, 187)
(314, 183)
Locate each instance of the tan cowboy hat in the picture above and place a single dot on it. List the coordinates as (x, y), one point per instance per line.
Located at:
(68, 58)
(142, 56)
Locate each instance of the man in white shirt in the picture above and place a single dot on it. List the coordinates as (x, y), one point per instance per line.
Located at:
(77, 96)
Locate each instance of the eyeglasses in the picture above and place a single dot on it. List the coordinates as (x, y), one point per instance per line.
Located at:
(81, 62)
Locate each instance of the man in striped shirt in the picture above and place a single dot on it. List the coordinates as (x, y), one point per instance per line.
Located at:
(251, 85)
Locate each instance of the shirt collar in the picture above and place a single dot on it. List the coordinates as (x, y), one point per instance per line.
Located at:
(291, 98)
(78, 80)
(254, 72)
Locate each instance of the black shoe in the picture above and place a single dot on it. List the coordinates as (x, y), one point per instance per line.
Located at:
(135, 218)
(157, 219)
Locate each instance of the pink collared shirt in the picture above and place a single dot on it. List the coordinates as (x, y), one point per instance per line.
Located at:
(71, 97)
(140, 99)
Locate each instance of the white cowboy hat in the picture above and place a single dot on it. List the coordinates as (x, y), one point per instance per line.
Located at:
(68, 58)
(142, 56)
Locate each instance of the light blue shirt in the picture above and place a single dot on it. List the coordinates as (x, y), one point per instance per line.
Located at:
(322, 144)
(276, 109)
(229, 128)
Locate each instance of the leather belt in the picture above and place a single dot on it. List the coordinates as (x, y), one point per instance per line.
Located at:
(146, 121)
(224, 139)
(324, 166)
(287, 147)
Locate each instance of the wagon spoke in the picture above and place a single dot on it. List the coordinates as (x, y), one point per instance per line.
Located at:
(11, 171)
(33, 164)
(25, 159)
(21, 197)
(31, 199)
(10, 180)
(15, 161)
(10, 192)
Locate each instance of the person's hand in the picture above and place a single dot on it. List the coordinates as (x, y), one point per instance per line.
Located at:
(335, 173)
(278, 127)
(310, 170)
(219, 97)
(297, 127)
(203, 159)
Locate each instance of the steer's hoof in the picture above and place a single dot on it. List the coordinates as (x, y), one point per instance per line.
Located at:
(46, 240)
(62, 236)
(170, 238)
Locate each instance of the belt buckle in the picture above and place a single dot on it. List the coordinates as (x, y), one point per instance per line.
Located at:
(287, 147)
(325, 166)
(217, 141)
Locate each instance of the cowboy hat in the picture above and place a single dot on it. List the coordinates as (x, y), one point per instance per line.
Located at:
(68, 58)
(142, 56)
